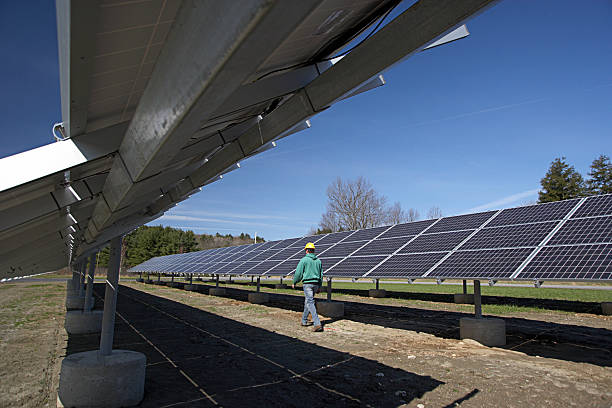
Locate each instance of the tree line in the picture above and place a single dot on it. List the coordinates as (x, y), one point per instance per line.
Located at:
(355, 204)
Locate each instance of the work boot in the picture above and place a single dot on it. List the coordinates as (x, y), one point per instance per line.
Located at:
(318, 328)
(306, 324)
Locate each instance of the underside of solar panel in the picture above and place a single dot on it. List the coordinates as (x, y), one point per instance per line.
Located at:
(563, 240)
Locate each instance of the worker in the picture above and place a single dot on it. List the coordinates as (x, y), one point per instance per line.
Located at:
(310, 272)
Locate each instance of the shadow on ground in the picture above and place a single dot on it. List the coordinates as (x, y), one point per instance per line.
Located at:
(195, 357)
(538, 338)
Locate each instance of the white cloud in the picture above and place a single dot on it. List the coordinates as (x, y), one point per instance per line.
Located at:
(503, 202)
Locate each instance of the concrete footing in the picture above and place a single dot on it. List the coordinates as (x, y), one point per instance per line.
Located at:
(216, 291)
(161, 283)
(252, 283)
(606, 308)
(192, 288)
(259, 297)
(377, 293)
(280, 286)
(139, 280)
(149, 282)
(79, 322)
(464, 298)
(75, 302)
(487, 331)
(90, 380)
(330, 309)
(176, 284)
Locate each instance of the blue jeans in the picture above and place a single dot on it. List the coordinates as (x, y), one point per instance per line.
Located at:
(309, 304)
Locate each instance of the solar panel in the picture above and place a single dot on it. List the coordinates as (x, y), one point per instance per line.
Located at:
(584, 231)
(595, 206)
(534, 213)
(342, 249)
(576, 262)
(333, 238)
(444, 241)
(489, 245)
(262, 267)
(510, 236)
(483, 264)
(354, 266)
(406, 266)
(383, 246)
(365, 234)
(408, 229)
(461, 222)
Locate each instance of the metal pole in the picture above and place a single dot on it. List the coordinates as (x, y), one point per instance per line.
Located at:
(329, 289)
(82, 280)
(252, 279)
(258, 283)
(281, 280)
(110, 298)
(376, 284)
(75, 276)
(464, 286)
(159, 277)
(88, 305)
(172, 278)
(217, 280)
(191, 278)
(477, 300)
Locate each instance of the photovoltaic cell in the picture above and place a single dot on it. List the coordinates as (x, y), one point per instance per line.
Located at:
(243, 267)
(595, 206)
(333, 238)
(354, 266)
(262, 267)
(365, 234)
(407, 266)
(534, 213)
(286, 253)
(342, 249)
(285, 268)
(578, 262)
(510, 236)
(483, 264)
(383, 246)
(408, 229)
(444, 241)
(584, 231)
(286, 243)
(263, 255)
(461, 222)
(266, 245)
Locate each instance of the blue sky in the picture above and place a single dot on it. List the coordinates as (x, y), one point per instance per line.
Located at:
(468, 126)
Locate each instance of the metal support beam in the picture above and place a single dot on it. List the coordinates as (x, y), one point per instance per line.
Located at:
(110, 297)
(82, 282)
(464, 286)
(329, 289)
(377, 283)
(258, 278)
(159, 277)
(477, 300)
(191, 278)
(217, 280)
(88, 305)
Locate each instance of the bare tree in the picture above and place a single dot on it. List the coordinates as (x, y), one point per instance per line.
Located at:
(413, 215)
(434, 212)
(354, 204)
(395, 214)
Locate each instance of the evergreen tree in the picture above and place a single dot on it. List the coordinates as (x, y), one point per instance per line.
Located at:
(561, 182)
(600, 176)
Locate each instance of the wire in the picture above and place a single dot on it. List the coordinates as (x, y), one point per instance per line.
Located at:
(303, 64)
(60, 127)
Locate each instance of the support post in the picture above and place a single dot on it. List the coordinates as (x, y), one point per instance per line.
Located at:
(88, 305)
(477, 300)
(377, 282)
(252, 279)
(172, 278)
(82, 280)
(217, 280)
(259, 297)
(258, 279)
(159, 277)
(465, 287)
(329, 289)
(191, 278)
(110, 298)
(281, 280)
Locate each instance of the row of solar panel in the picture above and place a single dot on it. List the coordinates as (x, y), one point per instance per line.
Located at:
(491, 245)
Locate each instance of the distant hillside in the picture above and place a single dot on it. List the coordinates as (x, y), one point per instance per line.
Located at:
(206, 241)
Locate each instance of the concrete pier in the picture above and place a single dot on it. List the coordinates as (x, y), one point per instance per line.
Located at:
(216, 291)
(330, 309)
(80, 322)
(487, 331)
(377, 293)
(464, 298)
(606, 308)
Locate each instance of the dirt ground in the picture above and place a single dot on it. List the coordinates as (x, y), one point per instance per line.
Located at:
(206, 351)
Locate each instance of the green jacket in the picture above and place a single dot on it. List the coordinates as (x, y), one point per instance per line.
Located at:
(309, 270)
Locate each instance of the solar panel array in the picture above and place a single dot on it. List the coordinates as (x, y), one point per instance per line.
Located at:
(564, 240)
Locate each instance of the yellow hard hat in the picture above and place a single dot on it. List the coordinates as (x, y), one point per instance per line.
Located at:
(309, 245)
